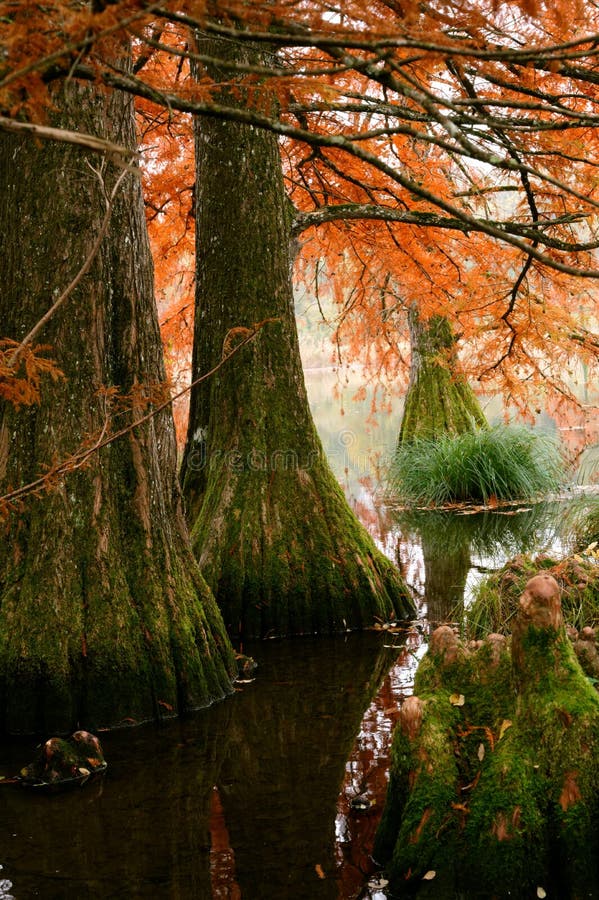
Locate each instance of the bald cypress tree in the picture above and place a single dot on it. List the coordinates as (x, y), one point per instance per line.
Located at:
(104, 615)
(272, 530)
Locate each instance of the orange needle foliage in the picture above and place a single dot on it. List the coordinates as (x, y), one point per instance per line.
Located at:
(442, 155)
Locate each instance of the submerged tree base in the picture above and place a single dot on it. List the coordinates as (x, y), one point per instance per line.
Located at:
(494, 784)
(310, 568)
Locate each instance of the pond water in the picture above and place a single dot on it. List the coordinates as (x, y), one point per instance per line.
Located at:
(256, 796)
(260, 795)
(250, 798)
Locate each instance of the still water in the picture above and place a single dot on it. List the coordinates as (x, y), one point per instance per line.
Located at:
(257, 796)
(250, 798)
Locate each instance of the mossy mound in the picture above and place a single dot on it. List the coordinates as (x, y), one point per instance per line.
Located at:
(59, 762)
(494, 784)
(497, 597)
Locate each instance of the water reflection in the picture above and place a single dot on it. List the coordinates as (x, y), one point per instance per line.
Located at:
(460, 547)
(240, 800)
(285, 763)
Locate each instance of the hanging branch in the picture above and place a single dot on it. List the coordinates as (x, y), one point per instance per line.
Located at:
(81, 456)
(88, 141)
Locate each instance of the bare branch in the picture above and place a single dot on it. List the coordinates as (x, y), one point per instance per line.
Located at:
(88, 141)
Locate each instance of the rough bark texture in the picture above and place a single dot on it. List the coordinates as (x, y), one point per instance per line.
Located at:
(273, 532)
(439, 400)
(495, 766)
(104, 615)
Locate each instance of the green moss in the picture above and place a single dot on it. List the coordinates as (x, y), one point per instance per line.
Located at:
(496, 598)
(292, 558)
(506, 762)
(439, 399)
(104, 616)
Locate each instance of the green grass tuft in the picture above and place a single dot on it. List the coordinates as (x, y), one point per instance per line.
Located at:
(506, 462)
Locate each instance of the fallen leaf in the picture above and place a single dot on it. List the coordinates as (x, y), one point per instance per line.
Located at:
(504, 727)
(428, 876)
(570, 791)
(457, 699)
(319, 871)
(481, 752)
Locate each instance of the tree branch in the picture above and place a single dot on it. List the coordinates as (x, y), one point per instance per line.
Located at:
(88, 141)
(80, 457)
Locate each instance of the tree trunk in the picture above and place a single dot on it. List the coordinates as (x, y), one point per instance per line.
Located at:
(273, 532)
(104, 616)
(493, 788)
(439, 399)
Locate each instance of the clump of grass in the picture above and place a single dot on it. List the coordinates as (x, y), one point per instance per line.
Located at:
(588, 528)
(506, 462)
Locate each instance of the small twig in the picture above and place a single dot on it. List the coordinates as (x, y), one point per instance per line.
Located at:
(80, 457)
(47, 133)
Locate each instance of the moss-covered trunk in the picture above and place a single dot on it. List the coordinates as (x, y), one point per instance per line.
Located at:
(104, 615)
(439, 399)
(275, 537)
(495, 766)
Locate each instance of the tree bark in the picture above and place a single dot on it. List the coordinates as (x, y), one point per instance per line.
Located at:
(439, 399)
(104, 616)
(275, 537)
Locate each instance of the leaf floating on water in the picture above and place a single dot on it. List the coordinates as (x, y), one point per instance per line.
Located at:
(428, 876)
(504, 727)
(541, 892)
(377, 883)
(481, 752)
(457, 699)
(319, 871)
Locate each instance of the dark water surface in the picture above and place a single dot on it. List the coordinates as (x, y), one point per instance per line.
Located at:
(252, 798)
(248, 799)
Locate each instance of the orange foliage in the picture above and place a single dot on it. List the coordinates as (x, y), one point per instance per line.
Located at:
(20, 380)
(441, 155)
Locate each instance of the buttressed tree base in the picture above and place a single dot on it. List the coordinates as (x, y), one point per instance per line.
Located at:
(494, 780)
